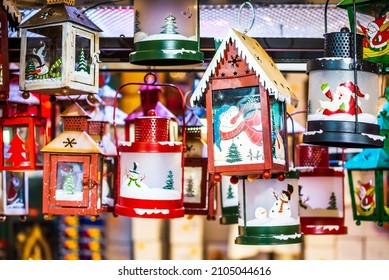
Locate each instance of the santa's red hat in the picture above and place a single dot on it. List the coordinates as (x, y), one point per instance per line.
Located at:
(377, 23)
(350, 85)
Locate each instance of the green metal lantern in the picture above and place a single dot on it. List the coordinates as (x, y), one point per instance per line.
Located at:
(166, 33)
(269, 211)
(229, 200)
(368, 174)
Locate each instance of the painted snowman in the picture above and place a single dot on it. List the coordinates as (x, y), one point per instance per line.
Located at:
(281, 207)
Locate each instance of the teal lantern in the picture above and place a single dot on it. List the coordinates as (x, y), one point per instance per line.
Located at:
(269, 211)
(166, 33)
(368, 174)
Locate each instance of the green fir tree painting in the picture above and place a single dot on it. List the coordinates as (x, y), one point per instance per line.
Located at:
(189, 191)
(136, 22)
(82, 65)
(170, 25)
(30, 68)
(230, 193)
(169, 181)
(233, 154)
(332, 202)
(69, 185)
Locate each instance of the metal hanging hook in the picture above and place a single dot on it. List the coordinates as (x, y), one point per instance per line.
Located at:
(251, 7)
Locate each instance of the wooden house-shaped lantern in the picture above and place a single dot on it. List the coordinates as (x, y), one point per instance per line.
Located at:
(8, 14)
(59, 51)
(73, 168)
(245, 95)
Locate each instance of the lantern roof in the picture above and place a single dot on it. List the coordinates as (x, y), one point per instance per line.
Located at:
(73, 142)
(59, 13)
(74, 110)
(257, 59)
(14, 16)
(192, 120)
(367, 7)
(160, 109)
(15, 95)
(370, 158)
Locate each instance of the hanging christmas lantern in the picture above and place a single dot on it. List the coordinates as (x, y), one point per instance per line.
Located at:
(59, 51)
(198, 186)
(321, 192)
(343, 94)
(98, 129)
(229, 200)
(73, 168)
(368, 178)
(269, 211)
(150, 172)
(166, 33)
(8, 14)
(13, 195)
(23, 133)
(245, 96)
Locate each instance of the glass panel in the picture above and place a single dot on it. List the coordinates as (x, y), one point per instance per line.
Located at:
(44, 54)
(69, 181)
(16, 149)
(15, 190)
(192, 184)
(40, 142)
(83, 56)
(364, 191)
(385, 192)
(277, 120)
(108, 182)
(237, 126)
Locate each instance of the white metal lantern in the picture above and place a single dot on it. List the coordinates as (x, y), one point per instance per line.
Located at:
(59, 52)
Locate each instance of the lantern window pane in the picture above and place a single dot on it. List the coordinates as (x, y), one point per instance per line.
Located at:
(192, 184)
(364, 191)
(385, 192)
(16, 148)
(44, 54)
(108, 182)
(15, 197)
(277, 122)
(84, 68)
(69, 181)
(237, 122)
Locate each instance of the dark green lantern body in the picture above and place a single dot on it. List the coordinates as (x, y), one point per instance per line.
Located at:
(229, 201)
(269, 211)
(166, 33)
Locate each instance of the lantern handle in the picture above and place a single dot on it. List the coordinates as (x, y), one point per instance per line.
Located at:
(252, 10)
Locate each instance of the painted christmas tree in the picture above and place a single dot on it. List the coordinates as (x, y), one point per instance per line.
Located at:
(332, 203)
(233, 154)
(82, 65)
(17, 151)
(170, 25)
(169, 181)
(230, 193)
(30, 68)
(190, 188)
(69, 185)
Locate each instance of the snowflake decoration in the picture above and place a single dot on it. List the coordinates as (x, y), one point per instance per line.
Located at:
(234, 61)
(70, 142)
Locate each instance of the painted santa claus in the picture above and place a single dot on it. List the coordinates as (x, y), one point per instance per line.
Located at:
(342, 100)
(366, 196)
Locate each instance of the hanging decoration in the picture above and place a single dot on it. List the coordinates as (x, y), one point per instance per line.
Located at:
(245, 95)
(59, 52)
(229, 200)
(10, 18)
(151, 167)
(268, 210)
(368, 178)
(73, 168)
(321, 192)
(13, 195)
(166, 33)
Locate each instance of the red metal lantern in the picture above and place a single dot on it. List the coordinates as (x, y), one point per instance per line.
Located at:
(73, 168)
(321, 191)
(151, 167)
(23, 133)
(198, 184)
(245, 96)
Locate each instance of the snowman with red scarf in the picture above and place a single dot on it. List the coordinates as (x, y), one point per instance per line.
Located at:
(342, 100)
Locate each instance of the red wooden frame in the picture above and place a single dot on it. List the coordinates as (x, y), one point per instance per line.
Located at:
(4, 61)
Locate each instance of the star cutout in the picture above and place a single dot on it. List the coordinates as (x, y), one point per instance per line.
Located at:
(70, 142)
(234, 61)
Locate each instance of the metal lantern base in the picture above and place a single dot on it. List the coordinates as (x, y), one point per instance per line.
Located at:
(166, 53)
(276, 235)
(343, 134)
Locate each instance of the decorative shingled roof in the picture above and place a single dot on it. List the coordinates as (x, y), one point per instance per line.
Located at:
(257, 59)
(14, 16)
(74, 110)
